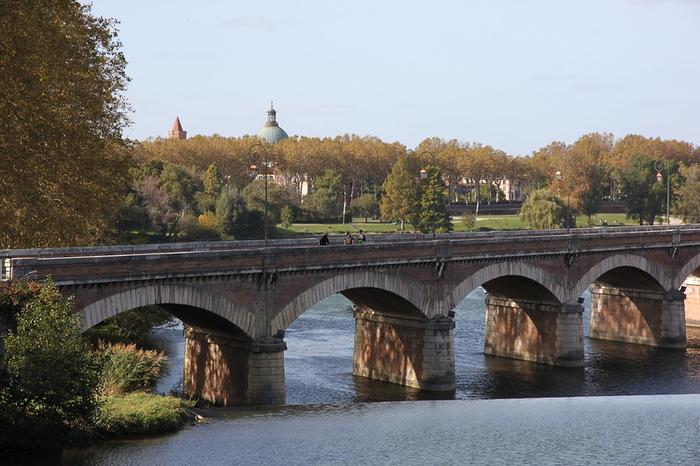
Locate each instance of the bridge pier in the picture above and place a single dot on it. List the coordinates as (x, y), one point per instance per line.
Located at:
(227, 369)
(536, 331)
(692, 301)
(405, 350)
(646, 317)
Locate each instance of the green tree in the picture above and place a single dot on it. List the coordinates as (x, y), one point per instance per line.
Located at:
(232, 212)
(51, 377)
(365, 206)
(287, 216)
(400, 193)
(433, 215)
(277, 197)
(687, 206)
(63, 162)
(212, 181)
(642, 191)
(543, 210)
(325, 203)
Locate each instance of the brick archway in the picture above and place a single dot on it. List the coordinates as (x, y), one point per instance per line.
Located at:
(619, 260)
(391, 283)
(691, 266)
(504, 269)
(112, 305)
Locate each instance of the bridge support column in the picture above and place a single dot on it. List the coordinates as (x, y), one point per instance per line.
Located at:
(534, 331)
(227, 370)
(692, 301)
(408, 351)
(653, 318)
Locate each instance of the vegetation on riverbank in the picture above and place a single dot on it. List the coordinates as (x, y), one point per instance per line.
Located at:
(142, 413)
(56, 389)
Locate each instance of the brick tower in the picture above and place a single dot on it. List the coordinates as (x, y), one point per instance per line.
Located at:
(176, 132)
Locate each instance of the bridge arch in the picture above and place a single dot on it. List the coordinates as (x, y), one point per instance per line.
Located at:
(687, 270)
(388, 283)
(502, 270)
(617, 261)
(134, 298)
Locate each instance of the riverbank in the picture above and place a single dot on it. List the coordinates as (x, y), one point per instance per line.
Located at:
(142, 413)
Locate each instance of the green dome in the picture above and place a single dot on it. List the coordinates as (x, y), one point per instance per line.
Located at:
(271, 133)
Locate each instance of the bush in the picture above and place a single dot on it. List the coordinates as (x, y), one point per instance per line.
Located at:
(287, 216)
(468, 220)
(50, 377)
(126, 368)
(142, 413)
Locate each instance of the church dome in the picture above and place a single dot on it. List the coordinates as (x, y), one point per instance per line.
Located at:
(271, 132)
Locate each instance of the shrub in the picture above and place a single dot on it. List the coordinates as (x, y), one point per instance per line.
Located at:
(468, 220)
(287, 216)
(50, 377)
(126, 368)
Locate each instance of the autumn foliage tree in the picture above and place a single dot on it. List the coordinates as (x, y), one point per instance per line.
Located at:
(63, 163)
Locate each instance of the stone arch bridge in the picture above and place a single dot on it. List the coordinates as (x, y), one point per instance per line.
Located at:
(237, 298)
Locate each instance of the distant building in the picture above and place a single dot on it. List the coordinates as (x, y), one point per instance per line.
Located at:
(176, 132)
(271, 133)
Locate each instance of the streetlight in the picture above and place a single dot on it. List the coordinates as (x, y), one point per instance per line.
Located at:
(424, 175)
(559, 177)
(659, 166)
(258, 152)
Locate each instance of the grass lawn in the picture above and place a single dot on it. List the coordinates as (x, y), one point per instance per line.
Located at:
(487, 222)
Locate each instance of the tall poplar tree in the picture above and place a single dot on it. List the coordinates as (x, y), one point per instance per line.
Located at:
(432, 215)
(400, 193)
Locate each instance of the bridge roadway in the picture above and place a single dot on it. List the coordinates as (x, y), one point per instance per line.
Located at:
(236, 298)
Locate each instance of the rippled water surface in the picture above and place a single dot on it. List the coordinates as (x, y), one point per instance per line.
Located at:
(329, 420)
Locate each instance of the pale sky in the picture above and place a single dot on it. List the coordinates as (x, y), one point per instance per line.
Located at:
(515, 74)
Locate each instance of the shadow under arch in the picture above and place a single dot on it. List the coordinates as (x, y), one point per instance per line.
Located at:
(526, 281)
(384, 293)
(184, 302)
(688, 269)
(629, 263)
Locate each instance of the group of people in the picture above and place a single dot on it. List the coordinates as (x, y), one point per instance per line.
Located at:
(349, 238)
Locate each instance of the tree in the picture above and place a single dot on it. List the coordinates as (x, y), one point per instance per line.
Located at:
(688, 203)
(433, 215)
(63, 163)
(287, 216)
(326, 202)
(642, 192)
(212, 181)
(543, 210)
(400, 193)
(277, 197)
(51, 377)
(365, 206)
(232, 212)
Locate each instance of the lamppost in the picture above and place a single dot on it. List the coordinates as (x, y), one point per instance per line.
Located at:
(559, 177)
(258, 153)
(659, 166)
(424, 175)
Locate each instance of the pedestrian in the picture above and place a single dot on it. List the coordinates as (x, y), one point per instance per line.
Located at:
(348, 238)
(361, 238)
(324, 241)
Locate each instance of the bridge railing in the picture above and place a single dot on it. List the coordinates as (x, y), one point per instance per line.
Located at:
(203, 246)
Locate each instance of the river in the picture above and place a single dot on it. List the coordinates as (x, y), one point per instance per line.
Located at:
(332, 416)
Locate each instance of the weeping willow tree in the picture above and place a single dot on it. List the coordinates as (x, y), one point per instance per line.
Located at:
(543, 210)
